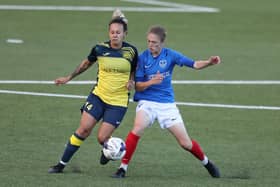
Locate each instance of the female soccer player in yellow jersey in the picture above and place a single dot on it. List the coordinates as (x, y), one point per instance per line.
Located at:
(109, 98)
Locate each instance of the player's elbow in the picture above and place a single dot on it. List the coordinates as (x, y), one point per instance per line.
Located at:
(139, 87)
(197, 66)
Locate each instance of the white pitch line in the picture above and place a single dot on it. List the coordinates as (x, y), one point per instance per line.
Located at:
(41, 82)
(211, 82)
(14, 41)
(42, 94)
(180, 6)
(238, 82)
(104, 8)
(178, 103)
(230, 106)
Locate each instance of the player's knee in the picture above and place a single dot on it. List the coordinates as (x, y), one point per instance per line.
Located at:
(139, 127)
(83, 132)
(138, 130)
(101, 139)
(187, 145)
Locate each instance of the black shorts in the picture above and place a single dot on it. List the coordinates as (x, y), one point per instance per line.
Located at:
(99, 109)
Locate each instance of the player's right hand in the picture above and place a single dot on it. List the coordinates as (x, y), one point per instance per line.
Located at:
(61, 80)
(158, 78)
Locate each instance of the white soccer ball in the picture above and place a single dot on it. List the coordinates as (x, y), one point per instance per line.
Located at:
(114, 148)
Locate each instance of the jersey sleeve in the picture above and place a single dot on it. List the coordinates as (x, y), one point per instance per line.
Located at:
(139, 75)
(183, 60)
(92, 57)
(134, 61)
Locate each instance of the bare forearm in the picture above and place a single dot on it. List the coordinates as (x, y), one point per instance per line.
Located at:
(81, 68)
(140, 86)
(157, 79)
(200, 64)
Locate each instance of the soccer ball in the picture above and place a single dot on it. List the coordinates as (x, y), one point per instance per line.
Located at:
(114, 148)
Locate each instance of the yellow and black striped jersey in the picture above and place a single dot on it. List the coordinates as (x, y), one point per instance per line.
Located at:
(114, 69)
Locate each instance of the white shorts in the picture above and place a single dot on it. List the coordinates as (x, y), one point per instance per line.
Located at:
(167, 114)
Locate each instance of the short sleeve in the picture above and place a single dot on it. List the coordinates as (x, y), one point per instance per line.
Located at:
(139, 75)
(92, 57)
(183, 60)
(134, 61)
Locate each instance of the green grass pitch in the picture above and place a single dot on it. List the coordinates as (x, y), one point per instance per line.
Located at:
(244, 143)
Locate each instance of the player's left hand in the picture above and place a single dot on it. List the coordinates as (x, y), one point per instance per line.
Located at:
(130, 85)
(215, 60)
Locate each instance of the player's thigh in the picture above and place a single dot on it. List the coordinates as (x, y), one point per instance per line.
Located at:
(94, 106)
(112, 118)
(141, 122)
(86, 125)
(180, 133)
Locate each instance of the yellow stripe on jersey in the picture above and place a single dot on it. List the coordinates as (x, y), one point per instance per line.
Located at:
(75, 141)
(113, 75)
(105, 44)
(128, 53)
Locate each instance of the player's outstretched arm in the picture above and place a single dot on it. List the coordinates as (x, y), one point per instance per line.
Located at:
(200, 64)
(81, 68)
